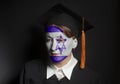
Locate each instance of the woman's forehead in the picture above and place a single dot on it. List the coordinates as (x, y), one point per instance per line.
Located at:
(56, 34)
(53, 29)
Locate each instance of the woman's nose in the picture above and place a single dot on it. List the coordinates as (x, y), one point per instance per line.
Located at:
(54, 44)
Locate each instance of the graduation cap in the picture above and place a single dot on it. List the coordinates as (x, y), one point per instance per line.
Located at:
(61, 15)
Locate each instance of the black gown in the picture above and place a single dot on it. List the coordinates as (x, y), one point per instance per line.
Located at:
(35, 73)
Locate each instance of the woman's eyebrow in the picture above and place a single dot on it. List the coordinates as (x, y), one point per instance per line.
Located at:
(59, 36)
(48, 36)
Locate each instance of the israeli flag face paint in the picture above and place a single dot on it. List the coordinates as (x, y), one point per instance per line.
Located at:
(58, 44)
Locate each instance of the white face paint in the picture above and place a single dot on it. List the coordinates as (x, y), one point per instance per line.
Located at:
(59, 44)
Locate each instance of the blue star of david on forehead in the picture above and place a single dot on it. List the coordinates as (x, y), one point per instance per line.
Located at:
(61, 44)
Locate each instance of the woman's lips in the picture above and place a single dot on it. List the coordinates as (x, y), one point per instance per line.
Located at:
(54, 54)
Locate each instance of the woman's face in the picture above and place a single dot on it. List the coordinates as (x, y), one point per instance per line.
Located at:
(58, 44)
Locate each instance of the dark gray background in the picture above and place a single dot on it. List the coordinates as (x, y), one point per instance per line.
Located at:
(16, 18)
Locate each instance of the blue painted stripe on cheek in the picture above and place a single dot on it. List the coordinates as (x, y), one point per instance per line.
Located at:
(53, 29)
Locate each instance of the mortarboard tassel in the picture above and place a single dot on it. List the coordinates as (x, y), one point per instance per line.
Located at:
(82, 65)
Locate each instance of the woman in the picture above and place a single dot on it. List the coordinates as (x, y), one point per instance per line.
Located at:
(62, 68)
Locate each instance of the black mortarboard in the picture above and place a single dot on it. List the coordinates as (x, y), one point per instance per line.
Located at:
(61, 15)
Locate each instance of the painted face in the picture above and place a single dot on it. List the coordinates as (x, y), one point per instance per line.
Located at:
(58, 44)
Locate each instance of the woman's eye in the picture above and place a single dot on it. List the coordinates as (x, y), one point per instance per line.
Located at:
(48, 39)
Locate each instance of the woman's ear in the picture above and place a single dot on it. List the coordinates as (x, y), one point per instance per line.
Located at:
(75, 43)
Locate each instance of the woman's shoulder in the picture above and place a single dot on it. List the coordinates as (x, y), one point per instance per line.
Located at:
(90, 70)
(34, 64)
(87, 71)
(33, 69)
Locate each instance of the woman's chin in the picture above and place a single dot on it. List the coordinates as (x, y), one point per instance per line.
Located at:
(57, 58)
